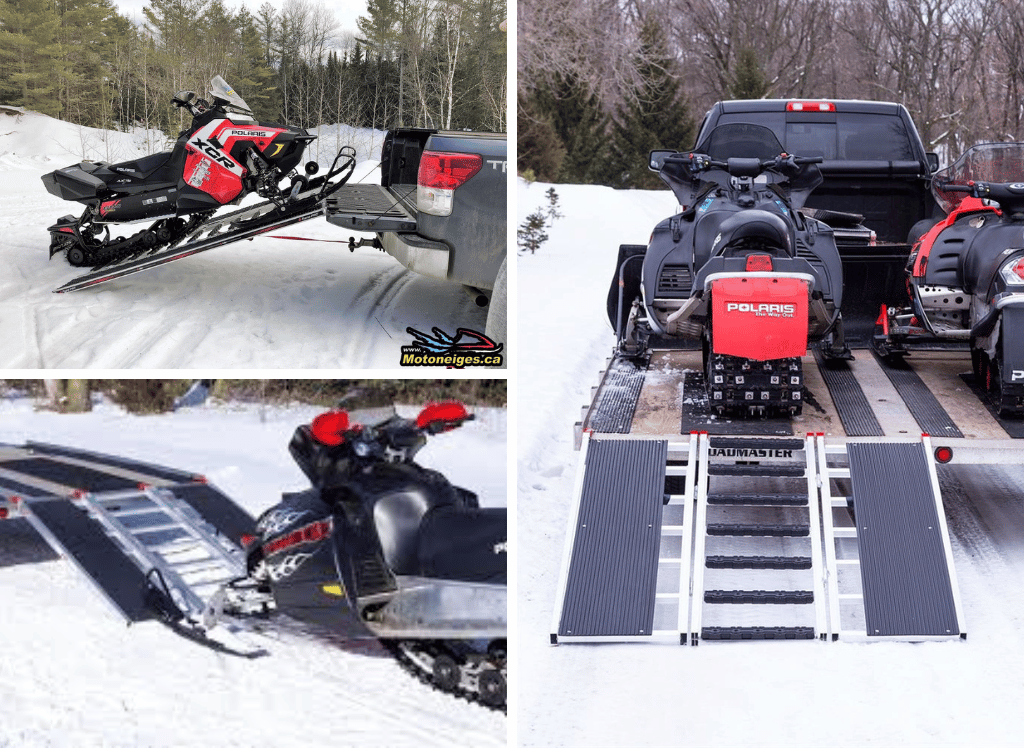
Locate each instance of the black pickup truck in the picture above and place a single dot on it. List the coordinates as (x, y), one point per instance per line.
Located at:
(440, 210)
(875, 167)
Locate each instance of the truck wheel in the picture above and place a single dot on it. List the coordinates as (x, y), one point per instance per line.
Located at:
(496, 313)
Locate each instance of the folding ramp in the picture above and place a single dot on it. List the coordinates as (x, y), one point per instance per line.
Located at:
(757, 552)
(152, 551)
(626, 569)
(887, 549)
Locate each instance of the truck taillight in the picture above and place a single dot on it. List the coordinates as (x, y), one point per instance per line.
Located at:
(810, 106)
(439, 176)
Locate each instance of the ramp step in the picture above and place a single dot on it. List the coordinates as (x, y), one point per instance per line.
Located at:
(758, 499)
(780, 471)
(740, 633)
(750, 442)
(759, 597)
(758, 562)
(782, 531)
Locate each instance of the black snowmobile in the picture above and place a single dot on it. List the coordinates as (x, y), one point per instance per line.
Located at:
(740, 269)
(382, 547)
(965, 276)
(222, 157)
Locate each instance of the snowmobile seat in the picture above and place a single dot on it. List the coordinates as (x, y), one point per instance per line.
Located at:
(754, 230)
(466, 545)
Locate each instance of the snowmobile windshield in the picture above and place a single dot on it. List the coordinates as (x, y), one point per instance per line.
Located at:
(221, 92)
(740, 140)
(998, 163)
(369, 417)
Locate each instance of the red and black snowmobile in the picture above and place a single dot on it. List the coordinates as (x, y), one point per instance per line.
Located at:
(222, 157)
(965, 276)
(740, 269)
(382, 547)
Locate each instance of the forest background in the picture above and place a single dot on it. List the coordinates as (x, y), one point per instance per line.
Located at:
(416, 63)
(602, 82)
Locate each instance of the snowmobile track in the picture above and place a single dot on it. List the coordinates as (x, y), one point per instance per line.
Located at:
(407, 664)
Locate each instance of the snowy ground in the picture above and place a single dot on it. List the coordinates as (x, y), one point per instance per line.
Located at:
(759, 693)
(264, 304)
(73, 676)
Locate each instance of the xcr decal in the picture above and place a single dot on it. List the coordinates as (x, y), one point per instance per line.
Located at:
(210, 151)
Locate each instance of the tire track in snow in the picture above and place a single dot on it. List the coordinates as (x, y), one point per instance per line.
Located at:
(370, 301)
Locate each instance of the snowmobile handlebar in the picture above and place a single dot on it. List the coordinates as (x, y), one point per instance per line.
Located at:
(989, 190)
(785, 164)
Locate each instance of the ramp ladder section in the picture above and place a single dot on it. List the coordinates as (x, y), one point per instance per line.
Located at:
(183, 558)
(890, 572)
(757, 537)
(626, 565)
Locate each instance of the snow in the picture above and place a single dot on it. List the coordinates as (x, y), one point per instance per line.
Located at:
(72, 675)
(729, 694)
(261, 304)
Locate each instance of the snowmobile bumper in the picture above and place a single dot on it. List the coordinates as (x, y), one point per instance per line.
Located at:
(438, 609)
(74, 182)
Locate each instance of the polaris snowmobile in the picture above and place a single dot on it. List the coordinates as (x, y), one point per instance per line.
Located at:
(222, 157)
(382, 547)
(740, 269)
(965, 276)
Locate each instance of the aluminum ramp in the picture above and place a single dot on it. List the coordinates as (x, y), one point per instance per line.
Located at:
(887, 544)
(625, 571)
(757, 554)
(150, 551)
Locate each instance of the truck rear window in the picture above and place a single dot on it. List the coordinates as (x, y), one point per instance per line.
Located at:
(850, 137)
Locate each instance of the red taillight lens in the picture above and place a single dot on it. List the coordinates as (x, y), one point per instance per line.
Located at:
(450, 414)
(248, 540)
(810, 106)
(4, 512)
(329, 428)
(759, 263)
(943, 454)
(447, 171)
(308, 534)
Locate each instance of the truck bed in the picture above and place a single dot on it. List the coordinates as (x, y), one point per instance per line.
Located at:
(932, 392)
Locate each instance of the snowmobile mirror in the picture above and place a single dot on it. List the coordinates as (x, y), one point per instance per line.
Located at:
(329, 428)
(183, 98)
(657, 159)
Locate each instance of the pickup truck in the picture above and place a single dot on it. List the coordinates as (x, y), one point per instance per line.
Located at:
(440, 210)
(875, 166)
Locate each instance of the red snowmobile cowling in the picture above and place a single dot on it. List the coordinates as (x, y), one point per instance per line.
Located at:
(759, 317)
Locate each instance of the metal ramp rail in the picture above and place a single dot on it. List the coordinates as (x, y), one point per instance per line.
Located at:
(897, 581)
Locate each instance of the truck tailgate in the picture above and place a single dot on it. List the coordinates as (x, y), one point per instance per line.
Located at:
(369, 207)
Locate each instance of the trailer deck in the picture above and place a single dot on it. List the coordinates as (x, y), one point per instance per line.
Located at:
(826, 525)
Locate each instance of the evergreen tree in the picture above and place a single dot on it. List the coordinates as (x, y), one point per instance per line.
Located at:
(29, 38)
(539, 150)
(656, 117)
(749, 81)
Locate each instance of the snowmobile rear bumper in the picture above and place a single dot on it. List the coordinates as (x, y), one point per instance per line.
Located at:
(74, 182)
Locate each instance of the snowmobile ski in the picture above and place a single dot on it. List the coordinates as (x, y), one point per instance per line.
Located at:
(233, 227)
